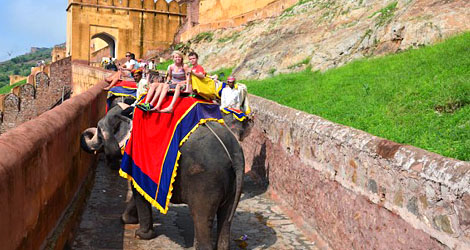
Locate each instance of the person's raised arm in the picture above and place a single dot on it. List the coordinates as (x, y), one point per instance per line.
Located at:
(199, 75)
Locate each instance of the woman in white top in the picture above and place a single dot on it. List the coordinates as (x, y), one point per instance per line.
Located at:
(123, 71)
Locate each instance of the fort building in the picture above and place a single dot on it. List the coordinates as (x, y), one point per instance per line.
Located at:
(206, 15)
(58, 53)
(117, 26)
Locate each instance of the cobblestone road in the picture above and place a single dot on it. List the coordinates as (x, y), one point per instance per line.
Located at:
(257, 217)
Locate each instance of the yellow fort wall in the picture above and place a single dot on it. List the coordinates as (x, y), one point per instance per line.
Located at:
(137, 26)
(216, 14)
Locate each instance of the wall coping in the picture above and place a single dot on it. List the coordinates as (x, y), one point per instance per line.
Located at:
(19, 143)
(452, 173)
(407, 164)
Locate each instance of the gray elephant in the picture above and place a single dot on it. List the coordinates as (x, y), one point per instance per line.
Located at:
(209, 179)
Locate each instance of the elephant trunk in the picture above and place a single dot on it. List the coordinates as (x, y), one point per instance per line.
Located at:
(90, 141)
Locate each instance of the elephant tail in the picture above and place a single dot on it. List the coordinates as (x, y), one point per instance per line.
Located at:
(238, 165)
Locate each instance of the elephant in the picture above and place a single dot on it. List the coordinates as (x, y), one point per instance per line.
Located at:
(110, 135)
(209, 177)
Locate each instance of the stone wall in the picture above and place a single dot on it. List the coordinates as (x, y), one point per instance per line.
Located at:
(16, 78)
(355, 190)
(84, 76)
(206, 15)
(41, 169)
(58, 53)
(97, 55)
(30, 100)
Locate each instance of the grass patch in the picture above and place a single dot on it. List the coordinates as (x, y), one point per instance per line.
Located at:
(231, 37)
(164, 65)
(287, 12)
(203, 36)
(386, 14)
(419, 97)
(223, 73)
(7, 88)
(306, 61)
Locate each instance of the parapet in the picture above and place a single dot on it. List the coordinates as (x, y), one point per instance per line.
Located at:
(357, 190)
(42, 91)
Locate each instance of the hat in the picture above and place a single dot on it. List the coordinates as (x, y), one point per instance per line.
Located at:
(231, 79)
(135, 71)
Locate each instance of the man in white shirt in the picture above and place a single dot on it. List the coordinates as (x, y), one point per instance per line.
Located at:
(230, 97)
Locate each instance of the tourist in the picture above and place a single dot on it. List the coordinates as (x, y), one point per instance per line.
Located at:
(197, 69)
(199, 84)
(142, 83)
(176, 79)
(124, 70)
(151, 64)
(230, 97)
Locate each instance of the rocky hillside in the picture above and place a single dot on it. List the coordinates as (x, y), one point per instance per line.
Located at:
(324, 34)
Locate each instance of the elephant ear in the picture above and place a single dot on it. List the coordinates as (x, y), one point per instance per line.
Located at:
(123, 130)
(90, 141)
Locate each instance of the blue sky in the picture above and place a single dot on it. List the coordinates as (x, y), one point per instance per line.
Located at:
(31, 23)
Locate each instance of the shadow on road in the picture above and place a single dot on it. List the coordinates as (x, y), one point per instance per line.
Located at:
(253, 224)
(101, 228)
(100, 225)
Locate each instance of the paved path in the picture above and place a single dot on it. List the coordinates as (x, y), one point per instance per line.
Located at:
(257, 217)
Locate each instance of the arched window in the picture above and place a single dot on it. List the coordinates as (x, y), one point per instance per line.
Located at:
(102, 45)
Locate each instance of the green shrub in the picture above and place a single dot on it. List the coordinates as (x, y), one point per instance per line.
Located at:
(6, 89)
(164, 65)
(386, 14)
(232, 37)
(203, 36)
(223, 73)
(417, 97)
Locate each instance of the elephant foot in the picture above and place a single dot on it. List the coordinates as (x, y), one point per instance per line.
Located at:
(129, 219)
(145, 234)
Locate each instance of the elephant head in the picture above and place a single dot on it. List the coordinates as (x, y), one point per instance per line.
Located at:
(111, 134)
(241, 129)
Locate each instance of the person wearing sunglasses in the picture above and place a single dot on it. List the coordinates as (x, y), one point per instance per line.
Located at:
(130, 63)
(125, 70)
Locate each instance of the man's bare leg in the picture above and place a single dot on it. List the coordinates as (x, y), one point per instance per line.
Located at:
(111, 84)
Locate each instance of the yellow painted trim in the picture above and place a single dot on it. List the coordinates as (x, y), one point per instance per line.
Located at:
(128, 87)
(141, 191)
(236, 117)
(120, 94)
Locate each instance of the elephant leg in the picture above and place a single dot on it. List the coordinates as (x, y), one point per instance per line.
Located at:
(130, 214)
(203, 217)
(223, 225)
(144, 212)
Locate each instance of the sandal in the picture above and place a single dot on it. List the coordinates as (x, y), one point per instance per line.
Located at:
(144, 106)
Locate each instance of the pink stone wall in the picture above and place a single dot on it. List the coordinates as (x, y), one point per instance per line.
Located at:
(355, 190)
(32, 100)
(42, 167)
